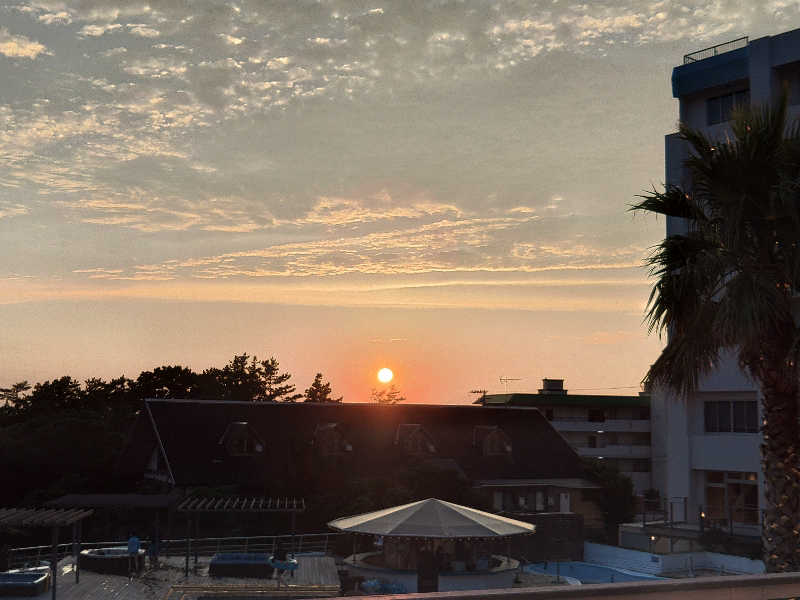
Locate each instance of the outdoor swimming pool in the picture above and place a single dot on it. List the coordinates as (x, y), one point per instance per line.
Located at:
(587, 572)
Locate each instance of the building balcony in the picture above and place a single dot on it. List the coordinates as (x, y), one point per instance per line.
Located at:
(615, 451)
(635, 425)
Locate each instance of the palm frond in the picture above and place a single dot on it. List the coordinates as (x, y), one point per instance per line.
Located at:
(672, 202)
(728, 282)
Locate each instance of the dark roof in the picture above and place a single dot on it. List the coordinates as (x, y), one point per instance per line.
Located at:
(562, 400)
(41, 517)
(190, 432)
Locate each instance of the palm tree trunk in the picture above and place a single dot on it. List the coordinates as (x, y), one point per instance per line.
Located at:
(781, 526)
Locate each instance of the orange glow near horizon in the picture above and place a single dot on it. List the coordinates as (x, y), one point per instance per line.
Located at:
(385, 375)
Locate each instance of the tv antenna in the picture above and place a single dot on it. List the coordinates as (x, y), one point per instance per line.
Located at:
(506, 380)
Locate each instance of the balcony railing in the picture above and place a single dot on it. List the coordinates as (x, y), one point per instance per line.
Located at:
(714, 50)
(584, 424)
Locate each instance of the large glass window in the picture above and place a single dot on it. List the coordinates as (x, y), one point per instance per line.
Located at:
(724, 416)
(719, 108)
(732, 496)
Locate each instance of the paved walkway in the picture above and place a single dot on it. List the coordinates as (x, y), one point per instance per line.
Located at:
(155, 584)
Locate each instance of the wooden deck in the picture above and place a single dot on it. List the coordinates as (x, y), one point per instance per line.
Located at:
(316, 577)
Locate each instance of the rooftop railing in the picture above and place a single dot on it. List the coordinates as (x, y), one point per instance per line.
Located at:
(714, 50)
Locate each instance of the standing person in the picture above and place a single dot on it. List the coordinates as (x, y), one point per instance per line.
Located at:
(133, 554)
(280, 564)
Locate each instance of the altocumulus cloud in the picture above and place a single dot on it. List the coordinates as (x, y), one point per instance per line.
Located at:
(19, 46)
(365, 138)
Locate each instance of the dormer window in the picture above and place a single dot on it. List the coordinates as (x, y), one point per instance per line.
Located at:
(414, 440)
(329, 440)
(239, 439)
(492, 441)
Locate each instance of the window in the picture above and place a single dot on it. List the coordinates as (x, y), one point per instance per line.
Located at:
(329, 441)
(240, 440)
(724, 416)
(719, 108)
(641, 466)
(496, 443)
(732, 496)
(597, 415)
(414, 440)
(490, 440)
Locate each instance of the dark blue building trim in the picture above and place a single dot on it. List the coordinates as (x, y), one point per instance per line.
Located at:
(710, 72)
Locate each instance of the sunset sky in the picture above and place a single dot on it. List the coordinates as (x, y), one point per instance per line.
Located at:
(435, 187)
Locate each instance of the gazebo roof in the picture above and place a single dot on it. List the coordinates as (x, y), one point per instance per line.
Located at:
(432, 518)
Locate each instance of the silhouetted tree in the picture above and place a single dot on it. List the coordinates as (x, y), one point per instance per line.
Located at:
(387, 396)
(167, 382)
(15, 396)
(276, 388)
(615, 498)
(319, 391)
(60, 394)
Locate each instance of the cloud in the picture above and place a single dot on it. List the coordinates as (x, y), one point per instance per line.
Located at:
(11, 209)
(457, 245)
(99, 30)
(19, 46)
(142, 30)
(231, 40)
(334, 211)
(59, 18)
(114, 52)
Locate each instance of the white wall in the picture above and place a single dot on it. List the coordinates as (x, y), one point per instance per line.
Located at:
(726, 452)
(657, 564)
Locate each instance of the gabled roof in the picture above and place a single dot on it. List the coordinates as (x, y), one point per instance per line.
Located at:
(189, 432)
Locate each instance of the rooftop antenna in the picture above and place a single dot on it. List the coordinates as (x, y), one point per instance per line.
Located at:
(506, 380)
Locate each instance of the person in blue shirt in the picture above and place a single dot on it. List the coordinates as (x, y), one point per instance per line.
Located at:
(133, 554)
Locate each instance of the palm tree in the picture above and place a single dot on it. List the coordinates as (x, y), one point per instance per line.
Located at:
(731, 283)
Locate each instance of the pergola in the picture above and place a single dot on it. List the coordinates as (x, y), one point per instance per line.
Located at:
(55, 518)
(194, 506)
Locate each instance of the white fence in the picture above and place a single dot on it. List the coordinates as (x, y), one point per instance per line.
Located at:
(662, 564)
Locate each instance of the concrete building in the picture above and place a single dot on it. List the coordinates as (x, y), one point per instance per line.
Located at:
(706, 447)
(612, 428)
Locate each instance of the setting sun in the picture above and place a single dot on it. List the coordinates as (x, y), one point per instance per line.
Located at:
(385, 375)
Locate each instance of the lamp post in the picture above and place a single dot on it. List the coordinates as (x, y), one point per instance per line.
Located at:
(702, 520)
(652, 541)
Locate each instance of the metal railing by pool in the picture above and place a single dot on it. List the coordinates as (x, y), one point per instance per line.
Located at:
(714, 50)
(317, 542)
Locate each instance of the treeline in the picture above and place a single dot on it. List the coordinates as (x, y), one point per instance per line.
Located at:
(245, 378)
(63, 436)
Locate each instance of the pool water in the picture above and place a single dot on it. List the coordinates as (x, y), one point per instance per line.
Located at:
(588, 573)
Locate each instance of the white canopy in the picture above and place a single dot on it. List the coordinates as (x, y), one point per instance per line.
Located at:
(432, 518)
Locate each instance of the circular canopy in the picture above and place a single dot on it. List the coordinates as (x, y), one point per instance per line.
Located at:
(432, 518)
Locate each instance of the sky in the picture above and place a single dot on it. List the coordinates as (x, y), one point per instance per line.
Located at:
(438, 187)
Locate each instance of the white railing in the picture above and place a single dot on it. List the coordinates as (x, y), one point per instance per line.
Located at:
(301, 543)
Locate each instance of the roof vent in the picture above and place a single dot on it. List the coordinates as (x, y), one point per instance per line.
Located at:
(553, 387)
